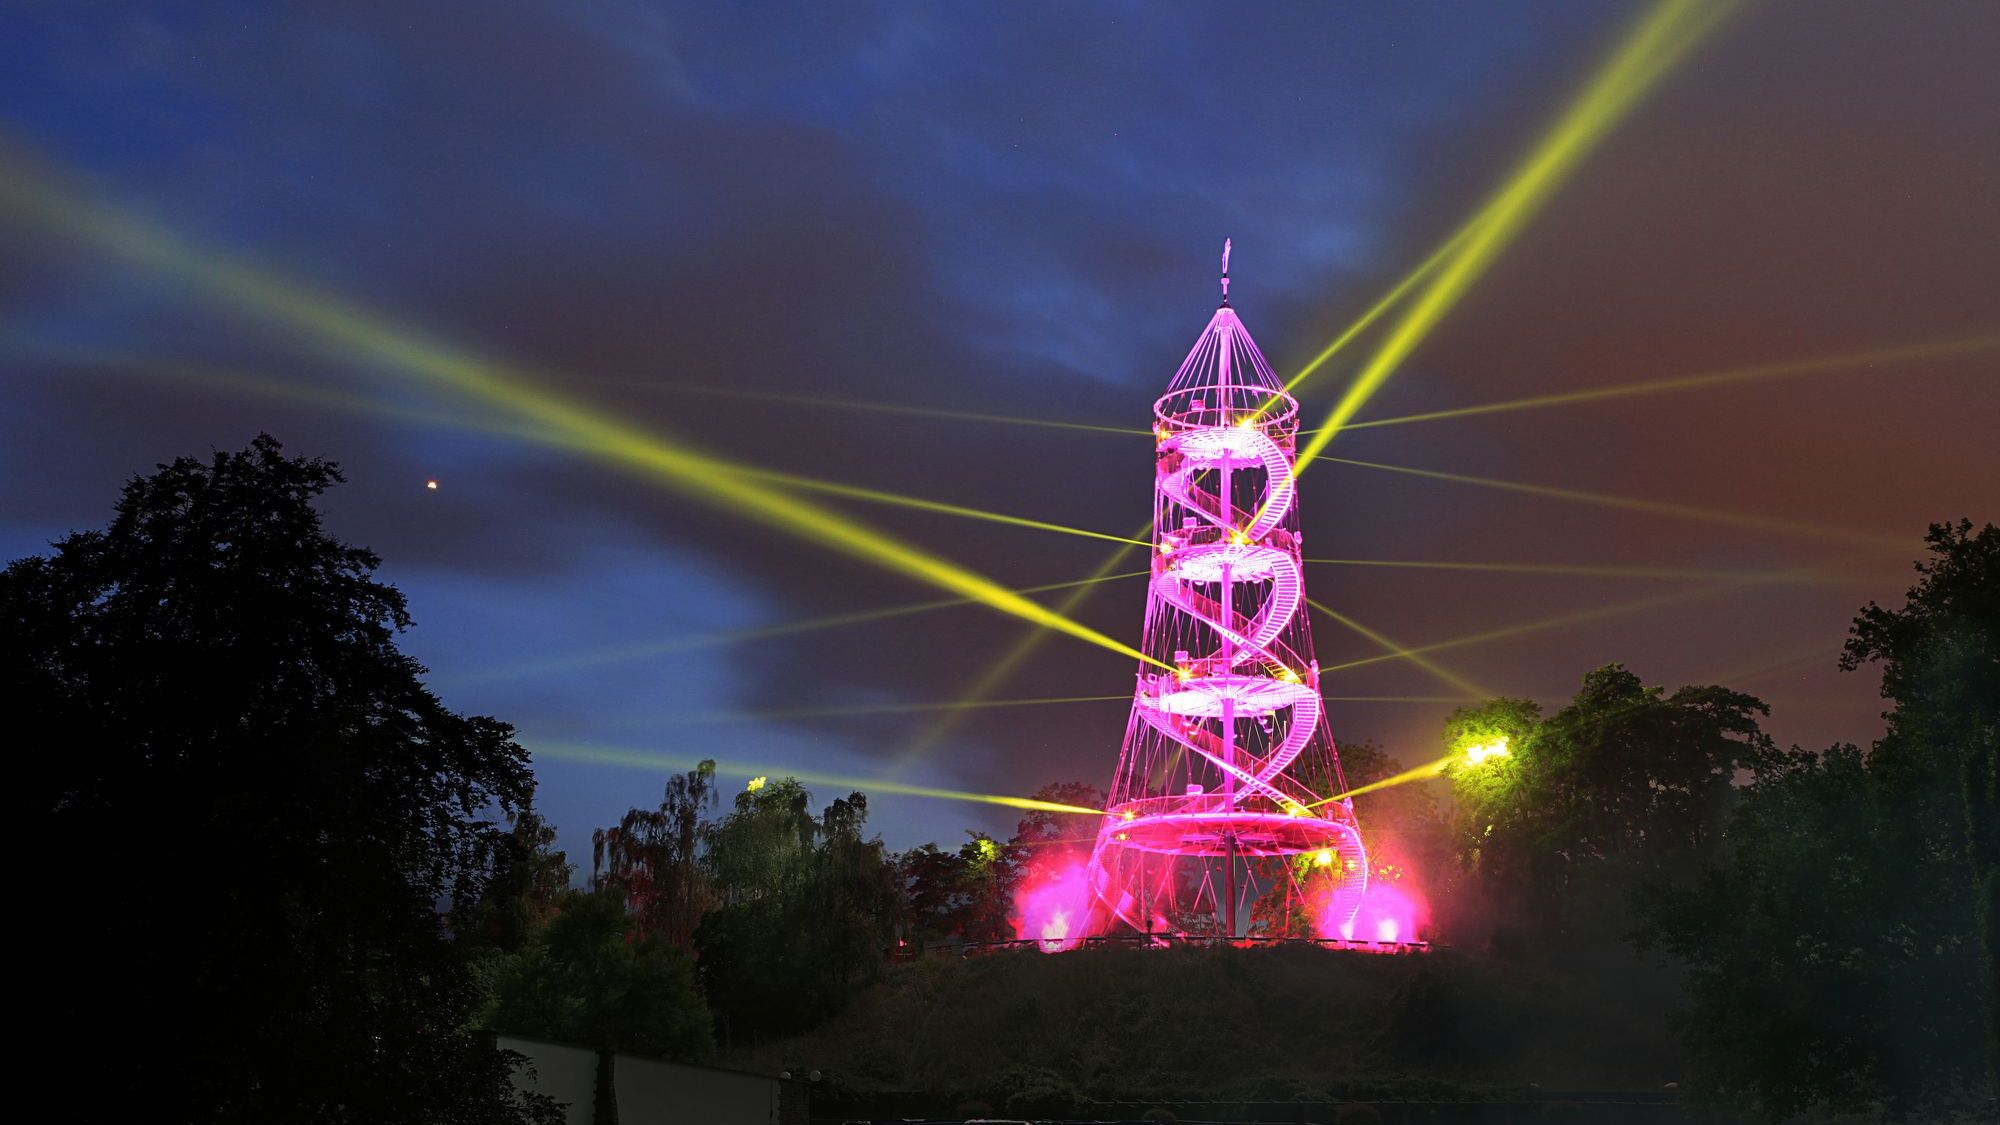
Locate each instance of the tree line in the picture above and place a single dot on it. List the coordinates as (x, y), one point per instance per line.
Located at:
(286, 883)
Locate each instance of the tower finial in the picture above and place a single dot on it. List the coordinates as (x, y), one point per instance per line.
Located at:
(1225, 273)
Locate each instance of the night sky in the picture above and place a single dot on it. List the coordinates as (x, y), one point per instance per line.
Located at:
(1017, 210)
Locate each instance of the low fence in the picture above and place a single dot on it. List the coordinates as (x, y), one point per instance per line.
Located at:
(1153, 941)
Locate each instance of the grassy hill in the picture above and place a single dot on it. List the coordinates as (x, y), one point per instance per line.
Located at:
(1261, 1024)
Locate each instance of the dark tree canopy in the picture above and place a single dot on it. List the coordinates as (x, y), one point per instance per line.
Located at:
(1834, 944)
(259, 806)
(586, 978)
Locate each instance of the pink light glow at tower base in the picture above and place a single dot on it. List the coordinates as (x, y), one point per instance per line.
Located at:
(1053, 907)
(1389, 912)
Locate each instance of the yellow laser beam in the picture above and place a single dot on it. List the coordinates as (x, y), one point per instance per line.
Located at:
(1419, 773)
(872, 407)
(865, 709)
(626, 653)
(1398, 649)
(321, 397)
(897, 500)
(1578, 617)
(1817, 365)
(128, 365)
(996, 673)
(639, 759)
(862, 709)
(1667, 32)
(1471, 755)
(1651, 507)
(1588, 571)
(697, 475)
(1386, 302)
(1798, 656)
(1664, 33)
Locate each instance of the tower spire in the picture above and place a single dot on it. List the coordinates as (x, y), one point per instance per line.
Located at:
(1225, 273)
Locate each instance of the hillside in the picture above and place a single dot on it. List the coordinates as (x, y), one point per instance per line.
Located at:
(1105, 1022)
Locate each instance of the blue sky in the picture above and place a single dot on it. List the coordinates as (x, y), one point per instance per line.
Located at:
(1013, 209)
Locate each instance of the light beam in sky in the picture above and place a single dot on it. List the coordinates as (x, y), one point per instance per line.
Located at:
(639, 759)
(370, 338)
(624, 653)
(1558, 621)
(1816, 365)
(679, 719)
(910, 409)
(1652, 507)
(1669, 30)
(1584, 570)
(1398, 649)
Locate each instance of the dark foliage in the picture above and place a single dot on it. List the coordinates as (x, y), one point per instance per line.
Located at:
(260, 809)
(1833, 946)
(808, 912)
(653, 856)
(588, 977)
(530, 878)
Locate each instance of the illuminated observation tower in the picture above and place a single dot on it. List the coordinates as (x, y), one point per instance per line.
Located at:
(1221, 796)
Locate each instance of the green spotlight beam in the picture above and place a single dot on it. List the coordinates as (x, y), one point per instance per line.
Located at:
(1668, 31)
(1649, 507)
(1816, 365)
(674, 763)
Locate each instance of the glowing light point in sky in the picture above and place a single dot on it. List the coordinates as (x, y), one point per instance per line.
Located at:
(1225, 776)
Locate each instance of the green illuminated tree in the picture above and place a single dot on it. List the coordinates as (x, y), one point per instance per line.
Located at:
(258, 807)
(1623, 788)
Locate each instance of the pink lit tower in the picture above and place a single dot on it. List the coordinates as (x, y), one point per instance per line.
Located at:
(1221, 797)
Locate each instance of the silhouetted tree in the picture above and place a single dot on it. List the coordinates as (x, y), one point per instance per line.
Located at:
(259, 809)
(654, 856)
(530, 878)
(1940, 661)
(1832, 944)
(963, 895)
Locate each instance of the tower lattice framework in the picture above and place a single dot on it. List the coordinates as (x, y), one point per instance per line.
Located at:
(1221, 795)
